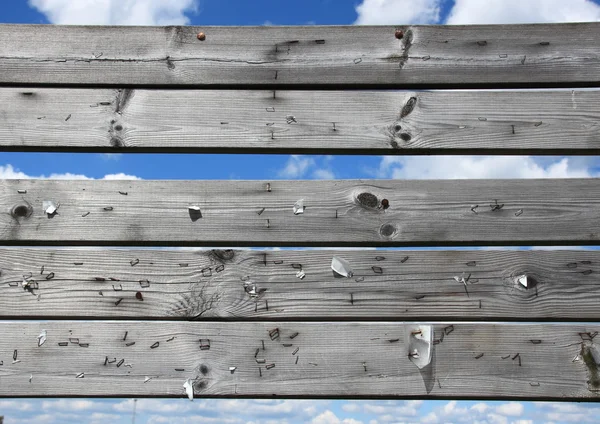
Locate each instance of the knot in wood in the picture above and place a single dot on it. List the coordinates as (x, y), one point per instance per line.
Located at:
(116, 142)
(224, 255)
(203, 369)
(387, 230)
(408, 107)
(21, 211)
(368, 200)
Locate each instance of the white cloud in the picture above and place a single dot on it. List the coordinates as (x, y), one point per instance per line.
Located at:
(194, 419)
(519, 11)
(451, 408)
(257, 410)
(298, 166)
(512, 409)
(116, 12)
(329, 417)
(10, 173)
(568, 412)
(103, 418)
(497, 419)
(430, 418)
(480, 407)
(392, 410)
(458, 167)
(396, 12)
(120, 176)
(351, 407)
(323, 174)
(72, 405)
(15, 405)
(158, 406)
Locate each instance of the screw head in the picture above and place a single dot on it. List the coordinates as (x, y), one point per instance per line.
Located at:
(201, 36)
(399, 34)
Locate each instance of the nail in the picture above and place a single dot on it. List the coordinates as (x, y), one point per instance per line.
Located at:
(399, 34)
(201, 36)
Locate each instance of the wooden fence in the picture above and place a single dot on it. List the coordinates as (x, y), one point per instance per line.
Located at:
(360, 323)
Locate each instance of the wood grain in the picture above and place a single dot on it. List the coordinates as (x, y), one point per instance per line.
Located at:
(336, 213)
(441, 56)
(269, 285)
(350, 360)
(282, 121)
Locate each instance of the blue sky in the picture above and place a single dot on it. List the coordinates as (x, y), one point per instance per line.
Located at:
(300, 12)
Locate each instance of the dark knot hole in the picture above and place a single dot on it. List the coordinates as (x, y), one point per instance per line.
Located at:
(21, 211)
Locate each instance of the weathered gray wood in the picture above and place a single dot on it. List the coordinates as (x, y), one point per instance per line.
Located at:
(419, 285)
(449, 56)
(336, 213)
(336, 360)
(278, 121)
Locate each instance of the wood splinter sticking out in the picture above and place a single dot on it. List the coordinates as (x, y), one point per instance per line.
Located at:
(420, 351)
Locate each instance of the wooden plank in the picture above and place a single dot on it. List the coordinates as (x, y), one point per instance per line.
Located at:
(441, 56)
(279, 121)
(331, 360)
(336, 213)
(271, 285)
